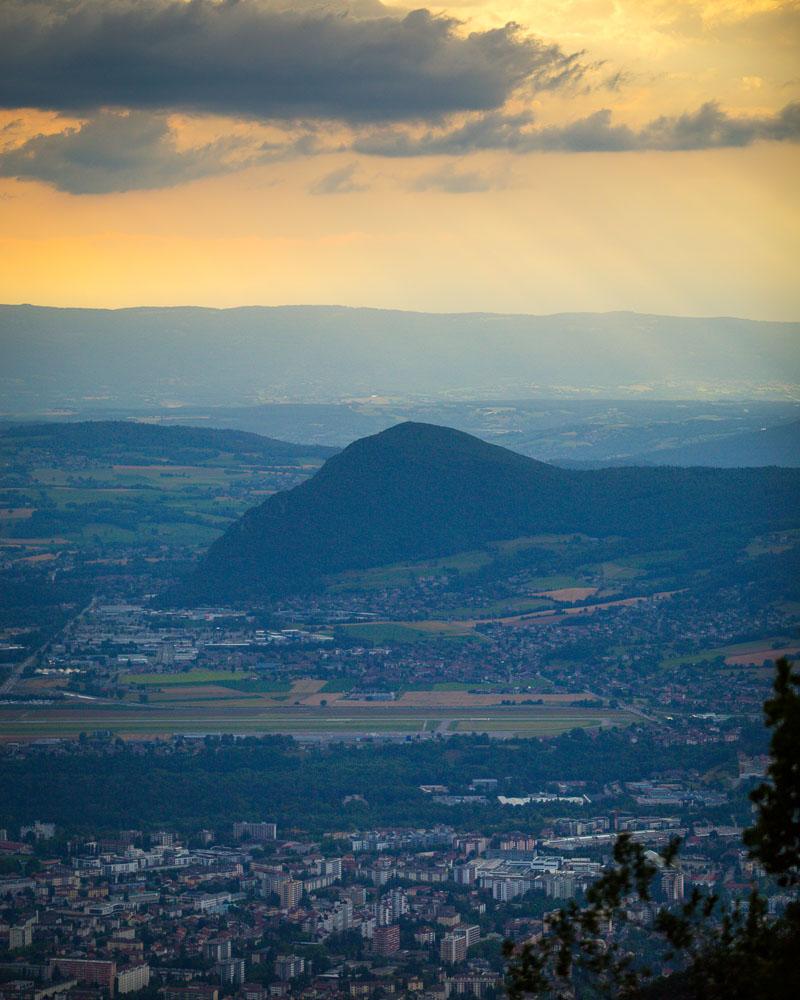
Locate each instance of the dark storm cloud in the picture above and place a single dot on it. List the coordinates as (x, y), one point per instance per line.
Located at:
(707, 128)
(248, 58)
(114, 152)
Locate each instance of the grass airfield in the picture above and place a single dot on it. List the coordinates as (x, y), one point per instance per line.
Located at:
(303, 709)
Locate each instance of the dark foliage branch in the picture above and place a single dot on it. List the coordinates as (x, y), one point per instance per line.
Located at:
(725, 954)
(775, 838)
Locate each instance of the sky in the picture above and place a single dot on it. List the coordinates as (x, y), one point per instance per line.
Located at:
(533, 156)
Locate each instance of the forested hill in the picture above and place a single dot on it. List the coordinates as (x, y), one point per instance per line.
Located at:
(125, 441)
(418, 491)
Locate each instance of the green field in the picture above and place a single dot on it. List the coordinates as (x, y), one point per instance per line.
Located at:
(458, 686)
(701, 656)
(257, 685)
(500, 609)
(720, 652)
(339, 685)
(190, 678)
(400, 574)
(535, 726)
(408, 632)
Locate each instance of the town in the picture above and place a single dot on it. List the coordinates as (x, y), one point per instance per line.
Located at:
(252, 911)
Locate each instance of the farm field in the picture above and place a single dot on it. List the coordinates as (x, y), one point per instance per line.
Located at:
(532, 727)
(422, 631)
(546, 591)
(399, 574)
(754, 653)
(758, 657)
(569, 594)
(153, 499)
(418, 631)
(189, 678)
(551, 617)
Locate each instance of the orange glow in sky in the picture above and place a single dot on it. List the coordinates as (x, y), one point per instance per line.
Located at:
(515, 208)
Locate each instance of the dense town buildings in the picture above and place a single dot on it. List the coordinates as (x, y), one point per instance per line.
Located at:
(420, 912)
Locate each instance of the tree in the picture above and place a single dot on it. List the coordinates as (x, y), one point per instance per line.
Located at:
(775, 838)
(725, 954)
(575, 939)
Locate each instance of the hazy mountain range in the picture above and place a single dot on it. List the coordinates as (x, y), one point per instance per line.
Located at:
(419, 491)
(144, 357)
(771, 446)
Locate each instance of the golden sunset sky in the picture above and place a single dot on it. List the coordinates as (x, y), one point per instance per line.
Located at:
(512, 157)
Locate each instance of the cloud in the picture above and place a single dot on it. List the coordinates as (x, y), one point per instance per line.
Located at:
(340, 181)
(616, 80)
(494, 130)
(124, 151)
(456, 181)
(253, 59)
(116, 152)
(707, 128)
(711, 127)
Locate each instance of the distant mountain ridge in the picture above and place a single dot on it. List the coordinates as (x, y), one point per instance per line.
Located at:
(122, 438)
(779, 445)
(148, 356)
(419, 491)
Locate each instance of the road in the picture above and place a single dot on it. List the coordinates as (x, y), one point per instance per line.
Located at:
(8, 684)
(12, 680)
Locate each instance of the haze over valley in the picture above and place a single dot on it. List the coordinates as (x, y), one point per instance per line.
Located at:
(144, 358)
